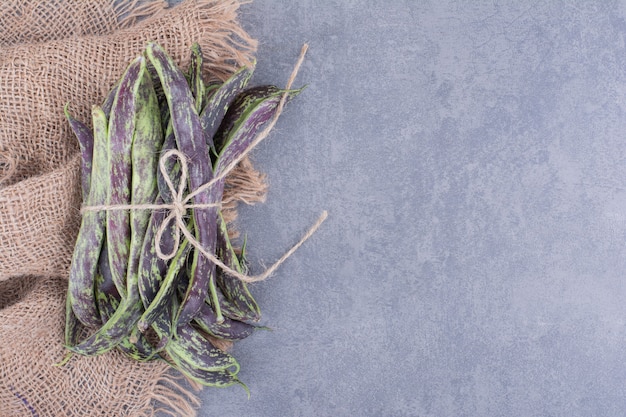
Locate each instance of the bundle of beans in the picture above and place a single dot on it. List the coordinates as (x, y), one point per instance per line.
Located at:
(154, 273)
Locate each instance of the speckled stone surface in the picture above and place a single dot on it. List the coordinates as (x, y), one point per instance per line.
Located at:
(472, 158)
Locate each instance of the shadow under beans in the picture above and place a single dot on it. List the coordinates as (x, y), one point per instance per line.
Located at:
(16, 289)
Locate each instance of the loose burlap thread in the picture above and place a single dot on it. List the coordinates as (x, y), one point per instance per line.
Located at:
(48, 58)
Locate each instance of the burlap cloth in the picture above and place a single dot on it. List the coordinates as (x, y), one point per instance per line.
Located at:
(53, 52)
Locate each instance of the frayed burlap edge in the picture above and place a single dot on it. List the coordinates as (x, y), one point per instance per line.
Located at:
(131, 12)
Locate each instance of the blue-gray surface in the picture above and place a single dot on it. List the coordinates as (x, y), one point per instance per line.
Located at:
(472, 157)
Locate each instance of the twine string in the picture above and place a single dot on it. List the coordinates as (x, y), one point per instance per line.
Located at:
(180, 203)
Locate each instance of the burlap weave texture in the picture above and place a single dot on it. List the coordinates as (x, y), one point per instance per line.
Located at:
(48, 59)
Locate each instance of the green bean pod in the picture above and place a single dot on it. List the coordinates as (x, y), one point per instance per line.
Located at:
(121, 133)
(195, 77)
(219, 101)
(217, 379)
(146, 144)
(190, 346)
(235, 290)
(85, 143)
(91, 233)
